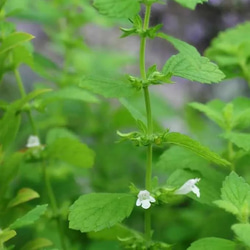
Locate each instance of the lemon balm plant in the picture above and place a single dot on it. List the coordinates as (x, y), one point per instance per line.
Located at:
(95, 212)
(43, 135)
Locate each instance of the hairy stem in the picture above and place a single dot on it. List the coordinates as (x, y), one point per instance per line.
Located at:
(147, 221)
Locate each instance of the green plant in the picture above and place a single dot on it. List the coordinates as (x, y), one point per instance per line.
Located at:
(51, 136)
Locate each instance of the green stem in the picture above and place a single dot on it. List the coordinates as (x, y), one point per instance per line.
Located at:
(23, 94)
(19, 83)
(148, 177)
(231, 154)
(54, 206)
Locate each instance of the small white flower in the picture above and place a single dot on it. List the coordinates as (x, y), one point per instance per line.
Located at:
(189, 186)
(144, 199)
(33, 141)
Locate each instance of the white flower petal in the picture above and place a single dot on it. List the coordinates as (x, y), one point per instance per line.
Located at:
(144, 199)
(196, 191)
(151, 199)
(33, 141)
(189, 186)
(138, 202)
(145, 204)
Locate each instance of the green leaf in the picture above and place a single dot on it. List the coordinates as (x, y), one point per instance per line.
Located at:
(6, 235)
(241, 140)
(14, 40)
(190, 64)
(10, 122)
(190, 166)
(71, 151)
(39, 243)
(242, 231)
(230, 49)
(136, 114)
(108, 88)
(30, 217)
(235, 196)
(67, 93)
(114, 8)
(23, 195)
(9, 166)
(213, 110)
(21, 54)
(2, 3)
(56, 133)
(198, 69)
(112, 233)
(235, 114)
(212, 243)
(191, 4)
(94, 212)
(186, 142)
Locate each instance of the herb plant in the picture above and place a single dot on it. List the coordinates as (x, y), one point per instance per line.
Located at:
(63, 122)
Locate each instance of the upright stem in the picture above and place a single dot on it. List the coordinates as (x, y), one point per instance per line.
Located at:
(147, 222)
(54, 206)
(23, 94)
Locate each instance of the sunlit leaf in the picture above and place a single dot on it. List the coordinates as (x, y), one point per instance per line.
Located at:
(6, 235)
(23, 195)
(39, 243)
(14, 40)
(242, 231)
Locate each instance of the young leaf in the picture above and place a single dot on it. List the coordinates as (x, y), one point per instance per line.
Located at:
(235, 196)
(108, 88)
(39, 243)
(212, 243)
(235, 114)
(23, 195)
(241, 140)
(190, 64)
(191, 4)
(14, 40)
(230, 49)
(120, 9)
(94, 212)
(186, 142)
(71, 151)
(242, 231)
(30, 217)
